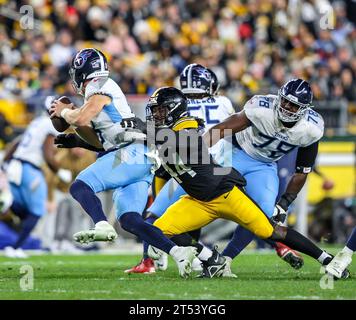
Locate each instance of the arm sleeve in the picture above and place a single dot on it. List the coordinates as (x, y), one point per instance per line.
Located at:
(306, 158)
(83, 144)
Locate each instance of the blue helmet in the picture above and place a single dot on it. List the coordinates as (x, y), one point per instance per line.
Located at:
(297, 94)
(87, 64)
(196, 79)
(215, 85)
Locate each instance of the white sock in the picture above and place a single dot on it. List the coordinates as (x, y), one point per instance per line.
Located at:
(173, 251)
(323, 256)
(205, 254)
(347, 250)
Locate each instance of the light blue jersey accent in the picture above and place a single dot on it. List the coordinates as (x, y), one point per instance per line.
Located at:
(119, 169)
(112, 112)
(31, 194)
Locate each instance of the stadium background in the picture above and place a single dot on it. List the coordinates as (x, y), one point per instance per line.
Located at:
(252, 46)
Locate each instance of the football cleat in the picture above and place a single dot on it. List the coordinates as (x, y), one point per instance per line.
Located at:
(160, 258)
(11, 252)
(184, 257)
(227, 273)
(338, 265)
(162, 262)
(145, 266)
(197, 265)
(214, 266)
(290, 256)
(103, 231)
(154, 252)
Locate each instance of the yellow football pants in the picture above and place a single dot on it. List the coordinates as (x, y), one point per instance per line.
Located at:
(189, 214)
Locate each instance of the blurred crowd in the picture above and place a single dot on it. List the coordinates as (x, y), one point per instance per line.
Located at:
(252, 45)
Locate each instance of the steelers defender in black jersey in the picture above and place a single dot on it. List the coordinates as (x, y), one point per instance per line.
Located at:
(212, 191)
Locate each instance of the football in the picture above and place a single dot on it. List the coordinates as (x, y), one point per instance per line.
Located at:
(59, 123)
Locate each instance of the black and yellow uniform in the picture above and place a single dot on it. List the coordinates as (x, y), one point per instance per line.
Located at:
(211, 194)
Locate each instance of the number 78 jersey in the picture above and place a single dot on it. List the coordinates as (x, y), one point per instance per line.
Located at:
(267, 139)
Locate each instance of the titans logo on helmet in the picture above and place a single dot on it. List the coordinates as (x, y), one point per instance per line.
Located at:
(81, 59)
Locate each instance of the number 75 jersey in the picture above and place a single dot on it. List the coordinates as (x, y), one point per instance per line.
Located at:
(267, 139)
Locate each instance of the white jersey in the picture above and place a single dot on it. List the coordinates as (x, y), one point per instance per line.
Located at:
(30, 148)
(212, 110)
(107, 122)
(267, 139)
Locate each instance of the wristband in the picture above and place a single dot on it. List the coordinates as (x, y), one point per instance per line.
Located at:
(286, 200)
(64, 111)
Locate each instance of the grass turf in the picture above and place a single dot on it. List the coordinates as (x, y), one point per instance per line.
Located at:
(260, 276)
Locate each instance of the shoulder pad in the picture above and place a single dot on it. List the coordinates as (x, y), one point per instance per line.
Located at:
(315, 123)
(97, 86)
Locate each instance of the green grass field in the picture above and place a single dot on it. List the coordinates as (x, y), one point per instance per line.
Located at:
(260, 276)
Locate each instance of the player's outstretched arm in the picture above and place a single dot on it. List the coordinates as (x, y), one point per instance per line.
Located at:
(235, 123)
(83, 115)
(72, 140)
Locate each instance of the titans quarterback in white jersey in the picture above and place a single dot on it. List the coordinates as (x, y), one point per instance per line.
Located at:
(265, 130)
(124, 167)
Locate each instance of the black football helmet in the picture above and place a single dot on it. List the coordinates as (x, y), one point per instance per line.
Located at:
(294, 99)
(215, 85)
(87, 64)
(196, 79)
(165, 106)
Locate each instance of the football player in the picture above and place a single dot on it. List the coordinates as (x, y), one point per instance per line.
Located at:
(268, 128)
(212, 191)
(27, 181)
(124, 167)
(200, 85)
(343, 258)
(205, 103)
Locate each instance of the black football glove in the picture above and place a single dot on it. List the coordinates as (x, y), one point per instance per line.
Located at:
(134, 123)
(66, 140)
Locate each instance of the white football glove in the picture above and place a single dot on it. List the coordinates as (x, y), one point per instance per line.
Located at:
(279, 214)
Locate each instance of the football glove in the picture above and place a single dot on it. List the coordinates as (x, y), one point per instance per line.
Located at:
(134, 123)
(68, 140)
(279, 214)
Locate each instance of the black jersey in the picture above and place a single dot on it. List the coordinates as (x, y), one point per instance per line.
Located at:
(186, 158)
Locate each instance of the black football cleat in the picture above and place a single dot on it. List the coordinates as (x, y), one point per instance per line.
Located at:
(214, 266)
